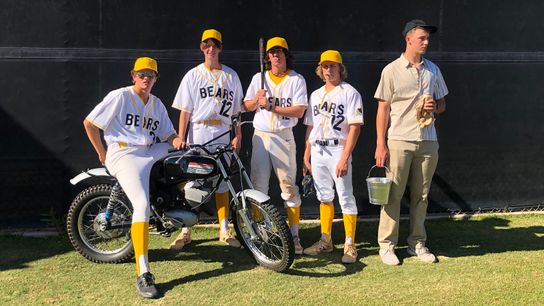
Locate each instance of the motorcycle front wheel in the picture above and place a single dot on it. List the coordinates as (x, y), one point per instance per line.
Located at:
(86, 226)
(272, 244)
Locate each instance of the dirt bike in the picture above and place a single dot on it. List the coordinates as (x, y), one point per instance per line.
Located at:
(181, 183)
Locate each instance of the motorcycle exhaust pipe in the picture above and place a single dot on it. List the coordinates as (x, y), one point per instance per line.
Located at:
(186, 218)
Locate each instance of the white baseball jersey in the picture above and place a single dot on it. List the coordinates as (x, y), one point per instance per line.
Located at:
(124, 117)
(331, 113)
(290, 92)
(209, 96)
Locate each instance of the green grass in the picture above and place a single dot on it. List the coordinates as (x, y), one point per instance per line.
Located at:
(487, 260)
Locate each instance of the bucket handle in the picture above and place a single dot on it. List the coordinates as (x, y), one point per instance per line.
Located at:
(375, 167)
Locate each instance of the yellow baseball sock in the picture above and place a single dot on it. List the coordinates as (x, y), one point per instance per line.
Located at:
(139, 232)
(350, 223)
(293, 215)
(222, 206)
(326, 214)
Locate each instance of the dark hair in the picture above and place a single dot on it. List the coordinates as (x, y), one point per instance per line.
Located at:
(288, 57)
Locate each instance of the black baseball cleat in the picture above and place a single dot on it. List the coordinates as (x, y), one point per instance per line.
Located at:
(145, 284)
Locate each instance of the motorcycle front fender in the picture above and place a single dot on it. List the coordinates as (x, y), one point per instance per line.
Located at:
(94, 173)
(256, 195)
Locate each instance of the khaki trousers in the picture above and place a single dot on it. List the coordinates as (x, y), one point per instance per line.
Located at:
(412, 163)
(276, 151)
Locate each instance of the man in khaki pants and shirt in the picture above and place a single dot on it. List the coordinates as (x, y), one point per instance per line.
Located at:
(411, 148)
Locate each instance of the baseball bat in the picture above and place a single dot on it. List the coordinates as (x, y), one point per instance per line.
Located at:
(261, 62)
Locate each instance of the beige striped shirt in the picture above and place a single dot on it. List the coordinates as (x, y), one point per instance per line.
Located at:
(402, 85)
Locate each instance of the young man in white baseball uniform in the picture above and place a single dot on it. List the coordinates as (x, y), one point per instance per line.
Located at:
(208, 97)
(278, 107)
(134, 122)
(411, 148)
(334, 120)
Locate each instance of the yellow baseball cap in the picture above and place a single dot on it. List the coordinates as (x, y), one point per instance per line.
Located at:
(211, 33)
(276, 42)
(331, 56)
(142, 63)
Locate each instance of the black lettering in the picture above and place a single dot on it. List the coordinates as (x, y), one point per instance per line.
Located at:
(231, 95)
(289, 101)
(225, 94)
(332, 108)
(325, 106)
(203, 93)
(340, 109)
(136, 120)
(218, 93)
(149, 122)
(129, 118)
(155, 125)
(316, 110)
(210, 91)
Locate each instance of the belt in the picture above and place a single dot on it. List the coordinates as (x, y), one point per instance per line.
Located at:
(211, 122)
(125, 144)
(328, 142)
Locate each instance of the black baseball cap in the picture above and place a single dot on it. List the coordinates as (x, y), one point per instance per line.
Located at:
(418, 23)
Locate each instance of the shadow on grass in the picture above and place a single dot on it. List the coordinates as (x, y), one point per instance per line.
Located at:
(233, 260)
(450, 238)
(458, 238)
(446, 237)
(17, 252)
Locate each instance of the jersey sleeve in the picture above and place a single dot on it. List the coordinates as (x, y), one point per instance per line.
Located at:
(253, 88)
(308, 116)
(385, 87)
(355, 108)
(238, 95)
(166, 128)
(440, 89)
(300, 97)
(183, 99)
(103, 113)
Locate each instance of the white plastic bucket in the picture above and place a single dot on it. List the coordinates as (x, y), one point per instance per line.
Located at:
(378, 188)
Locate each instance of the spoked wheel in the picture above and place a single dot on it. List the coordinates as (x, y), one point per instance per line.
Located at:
(270, 241)
(86, 226)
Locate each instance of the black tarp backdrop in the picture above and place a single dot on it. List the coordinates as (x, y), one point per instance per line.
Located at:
(60, 58)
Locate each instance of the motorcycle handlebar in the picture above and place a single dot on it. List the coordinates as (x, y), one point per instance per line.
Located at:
(219, 149)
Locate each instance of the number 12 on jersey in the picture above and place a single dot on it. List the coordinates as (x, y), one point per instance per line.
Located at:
(225, 108)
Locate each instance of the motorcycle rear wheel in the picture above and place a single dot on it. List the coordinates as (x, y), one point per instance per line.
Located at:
(272, 247)
(85, 215)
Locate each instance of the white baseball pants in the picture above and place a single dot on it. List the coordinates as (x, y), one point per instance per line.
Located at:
(131, 166)
(324, 161)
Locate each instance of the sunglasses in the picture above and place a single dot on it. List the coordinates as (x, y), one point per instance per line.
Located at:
(143, 74)
(209, 43)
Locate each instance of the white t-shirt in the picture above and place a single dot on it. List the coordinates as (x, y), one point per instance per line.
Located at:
(290, 92)
(124, 117)
(210, 97)
(331, 113)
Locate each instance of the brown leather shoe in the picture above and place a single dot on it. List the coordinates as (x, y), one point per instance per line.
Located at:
(350, 254)
(228, 239)
(182, 239)
(321, 246)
